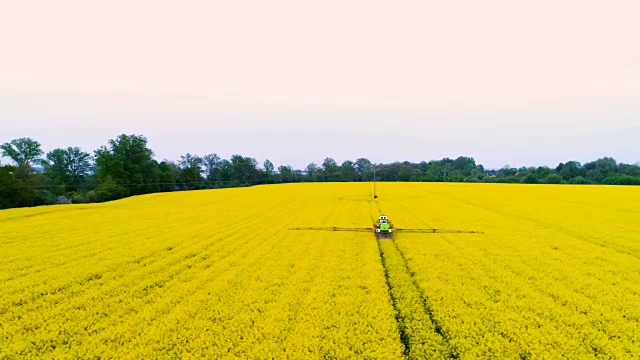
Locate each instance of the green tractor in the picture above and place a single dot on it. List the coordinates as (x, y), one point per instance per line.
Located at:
(383, 227)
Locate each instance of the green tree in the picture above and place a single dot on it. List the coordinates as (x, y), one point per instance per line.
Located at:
(286, 173)
(167, 180)
(331, 170)
(363, 167)
(348, 171)
(109, 189)
(579, 180)
(55, 168)
(226, 171)
(627, 169)
(553, 179)
(23, 151)
(245, 169)
(622, 179)
(268, 167)
(464, 166)
(211, 163)
(507, 171)
(600, 169)
(190, 177)
(542, 172)
(191, 161)
(269, 172)
(14, 191)
(67, 167)
(79, 165)
(329, 165)
(122, 161)
(570, 170)
(313, 172)
(530, 178)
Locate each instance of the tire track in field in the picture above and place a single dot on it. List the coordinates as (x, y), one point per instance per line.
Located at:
(420, 332)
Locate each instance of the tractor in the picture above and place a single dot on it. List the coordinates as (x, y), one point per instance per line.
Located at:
(383, 227)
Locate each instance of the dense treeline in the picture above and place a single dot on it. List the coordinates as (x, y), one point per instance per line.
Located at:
(126, 167)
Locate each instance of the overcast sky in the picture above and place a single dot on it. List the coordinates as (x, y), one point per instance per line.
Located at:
(506, 82)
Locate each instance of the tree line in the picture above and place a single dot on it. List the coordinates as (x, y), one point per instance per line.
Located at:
(125, 166)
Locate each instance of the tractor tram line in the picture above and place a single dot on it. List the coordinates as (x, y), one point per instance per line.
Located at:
(425, 300)
(402, 330)
(420, 332)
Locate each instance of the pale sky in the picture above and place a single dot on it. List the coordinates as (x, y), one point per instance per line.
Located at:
(506, 82)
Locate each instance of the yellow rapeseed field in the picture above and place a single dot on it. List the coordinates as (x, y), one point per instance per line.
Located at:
(552, 271)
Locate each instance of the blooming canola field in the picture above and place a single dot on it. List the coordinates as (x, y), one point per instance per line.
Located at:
(512, 271)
